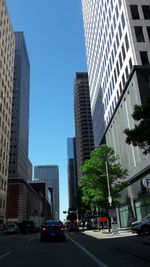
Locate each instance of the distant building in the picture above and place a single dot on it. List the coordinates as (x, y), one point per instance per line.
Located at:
(7, 52)
(18, 162)
(23, 202)
(29, 172)
(50, 175)
(83, 120)
(42, 189)
(72, 173)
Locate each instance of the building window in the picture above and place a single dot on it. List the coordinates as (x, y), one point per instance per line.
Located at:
(126, 42)
(134, 12)
(139, 34)
(144, 58)
(130, 64)
(123, 20)
(120, 60)
(148, 32)
(146, 12)
(123, 80)
(123, 52)
(127, 73)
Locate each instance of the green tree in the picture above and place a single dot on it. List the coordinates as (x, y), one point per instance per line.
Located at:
(93, 183)
(140, 134)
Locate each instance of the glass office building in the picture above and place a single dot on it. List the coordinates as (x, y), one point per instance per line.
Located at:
(50, 175)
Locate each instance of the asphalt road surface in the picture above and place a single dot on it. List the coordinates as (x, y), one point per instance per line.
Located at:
(78, 250)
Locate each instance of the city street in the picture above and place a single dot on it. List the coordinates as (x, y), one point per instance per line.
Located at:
(78, 250)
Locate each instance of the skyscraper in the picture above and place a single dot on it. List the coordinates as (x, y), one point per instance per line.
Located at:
(50, 175)
(117, 36)
(7, 51)
(83, 120)
(18, 163)
(72, 173)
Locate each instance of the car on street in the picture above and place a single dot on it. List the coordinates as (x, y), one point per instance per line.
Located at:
(11, 229)
(52, 230)
(141, 227)
(28, 226)
(73, 227)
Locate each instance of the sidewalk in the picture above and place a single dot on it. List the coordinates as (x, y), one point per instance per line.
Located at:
(104, 234)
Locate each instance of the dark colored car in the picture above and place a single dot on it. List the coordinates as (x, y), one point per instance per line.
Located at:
(52, 230)
(27, 226)
(141, 227)
(73, 227)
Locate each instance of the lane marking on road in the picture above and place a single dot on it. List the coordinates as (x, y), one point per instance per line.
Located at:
(100, 263)
(29, 240)
(5, 254)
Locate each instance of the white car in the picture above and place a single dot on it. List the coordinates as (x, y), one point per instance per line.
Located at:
(141, 227)
(11, 229)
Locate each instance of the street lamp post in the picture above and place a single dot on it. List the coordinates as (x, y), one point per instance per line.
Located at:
(108, 185)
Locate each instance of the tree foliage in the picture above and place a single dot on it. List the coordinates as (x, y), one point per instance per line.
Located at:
(93, 183)
(140, 134)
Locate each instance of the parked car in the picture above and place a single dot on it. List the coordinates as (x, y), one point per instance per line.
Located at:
(141, 227)
(28, 226)
(52, 230)
(11, 229)
(73, 227)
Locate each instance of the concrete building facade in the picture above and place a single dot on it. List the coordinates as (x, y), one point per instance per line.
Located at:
(18, 162)
(117, 36)
(135, 199)
(50, 175)
(83, 120)
(7, 52)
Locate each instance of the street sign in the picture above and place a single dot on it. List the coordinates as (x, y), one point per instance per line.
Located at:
(146, 182)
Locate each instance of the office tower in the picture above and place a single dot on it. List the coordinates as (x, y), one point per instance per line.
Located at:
(117, 36)
(72, 173)
(7, 50)
(18, 163)
(50, 175)
(83, 121)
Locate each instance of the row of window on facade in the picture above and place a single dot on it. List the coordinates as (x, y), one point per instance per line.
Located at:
(2, 204)
(3, 185)
(136, 14)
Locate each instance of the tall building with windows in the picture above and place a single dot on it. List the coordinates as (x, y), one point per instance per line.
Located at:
(19, 162)
(7, 51)
(72, 173)
(50, 175)
(83, 120)
(117, 36)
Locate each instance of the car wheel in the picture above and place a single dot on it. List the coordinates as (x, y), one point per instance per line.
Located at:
(146, 230)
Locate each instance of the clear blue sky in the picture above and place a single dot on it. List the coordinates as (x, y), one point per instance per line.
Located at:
(53, 31)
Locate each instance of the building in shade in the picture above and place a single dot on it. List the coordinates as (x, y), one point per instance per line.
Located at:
(83, 120)
(50, 175)
(7, 52)
(117, 36)
(72, 174)
(18, 162)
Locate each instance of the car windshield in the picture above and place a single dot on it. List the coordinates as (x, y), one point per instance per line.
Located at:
(146, 217)
(53, 223)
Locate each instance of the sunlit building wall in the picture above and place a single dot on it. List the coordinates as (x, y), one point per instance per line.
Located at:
(7, 50)
(117, 36)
